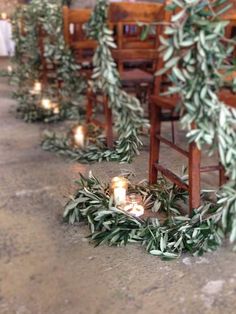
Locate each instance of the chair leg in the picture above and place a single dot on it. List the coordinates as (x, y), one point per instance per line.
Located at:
(149, 91)
(108, 123)
(142, 92)
(44, 77)
(194, 177)
(173, 131)
(222, 176)
(89, 107)
(155, 119)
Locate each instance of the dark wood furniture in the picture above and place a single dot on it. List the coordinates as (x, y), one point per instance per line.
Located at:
(159, 105)
(83, 49)
(135, 57)
(75, 37)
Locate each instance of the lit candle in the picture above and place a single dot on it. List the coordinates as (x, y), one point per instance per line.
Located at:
(46, 104)
(79, 136)
(4, 16)
(119, 187)
(9, 69)
(37, 87)
(56, 109)
(134, 206)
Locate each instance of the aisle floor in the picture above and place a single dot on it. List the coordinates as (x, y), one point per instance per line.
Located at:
(47, 267)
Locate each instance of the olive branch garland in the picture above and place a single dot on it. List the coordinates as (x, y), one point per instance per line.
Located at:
(126, 109)
(48, 15)
(166, 235)
(196, 52)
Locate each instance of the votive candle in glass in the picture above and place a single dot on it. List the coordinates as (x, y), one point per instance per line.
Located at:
(46, 104)
(134, 205)
(79, 136)
(119, 187)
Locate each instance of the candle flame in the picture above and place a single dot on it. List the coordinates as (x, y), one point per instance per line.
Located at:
(79, 135)
(9, 69)
(46, 104)
(37, 86)
(119, 182)
(4, 15)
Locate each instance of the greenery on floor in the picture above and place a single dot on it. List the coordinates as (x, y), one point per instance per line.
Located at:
(163, 230)
(94, 150)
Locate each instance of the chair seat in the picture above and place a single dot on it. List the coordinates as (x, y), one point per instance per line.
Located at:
(165, 102)
(136, 76)
(228, 98)
(87, 45)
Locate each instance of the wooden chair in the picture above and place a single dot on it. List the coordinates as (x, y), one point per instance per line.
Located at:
(75, 37)
(231, 29)
(159, 105)
(83, 50)
(46, 70)
(26, 56)
(131, 48)
(131, 51)
(226, 94)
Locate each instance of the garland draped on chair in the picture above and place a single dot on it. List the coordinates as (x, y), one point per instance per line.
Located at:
(27, 20)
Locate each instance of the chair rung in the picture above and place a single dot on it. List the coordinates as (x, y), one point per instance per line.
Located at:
(211, 168)
(172, 177)
(166, 117)
(172, 145)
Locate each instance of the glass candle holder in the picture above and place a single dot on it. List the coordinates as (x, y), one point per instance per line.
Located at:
(119, 186)
(79, 134)
(46, 104)
(9, 69)
(37, 88)
(134, 205)
(56, 109)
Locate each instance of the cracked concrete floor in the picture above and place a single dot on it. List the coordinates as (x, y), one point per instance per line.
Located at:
(48, 267)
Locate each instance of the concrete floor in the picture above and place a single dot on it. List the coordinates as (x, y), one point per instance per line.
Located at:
(47, 267)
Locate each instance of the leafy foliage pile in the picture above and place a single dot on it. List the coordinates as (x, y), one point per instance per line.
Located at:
(28, 23)
(166, 237)
(95, 149)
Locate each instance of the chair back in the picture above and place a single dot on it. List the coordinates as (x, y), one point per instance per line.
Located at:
(74, 34)
(161, 81)
(128, 20)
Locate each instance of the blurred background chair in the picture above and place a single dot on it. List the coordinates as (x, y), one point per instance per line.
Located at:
(135, 55)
